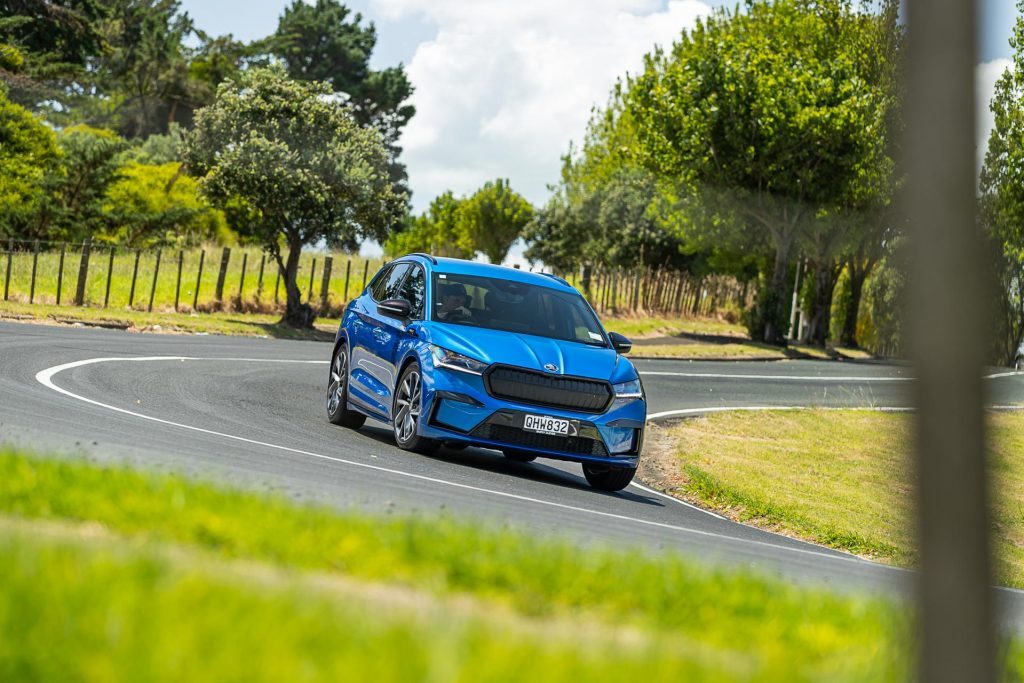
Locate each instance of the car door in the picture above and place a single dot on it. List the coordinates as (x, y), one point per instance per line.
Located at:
(388, 332)
(373, 345)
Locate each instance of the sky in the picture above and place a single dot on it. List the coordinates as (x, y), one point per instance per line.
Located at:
(503, 86)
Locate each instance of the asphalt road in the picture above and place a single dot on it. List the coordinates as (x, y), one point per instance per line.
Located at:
(250, 412)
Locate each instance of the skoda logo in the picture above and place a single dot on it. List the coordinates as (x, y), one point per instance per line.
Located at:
(551, 367)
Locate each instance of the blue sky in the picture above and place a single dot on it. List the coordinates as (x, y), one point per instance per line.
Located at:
(503, 86)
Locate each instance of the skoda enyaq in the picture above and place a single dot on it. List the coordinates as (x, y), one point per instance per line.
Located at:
(460, 353)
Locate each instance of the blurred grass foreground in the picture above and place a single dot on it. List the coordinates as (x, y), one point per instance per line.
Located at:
(113, 575)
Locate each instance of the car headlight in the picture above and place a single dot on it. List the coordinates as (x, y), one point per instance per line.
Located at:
(630, 389)
(443, 358)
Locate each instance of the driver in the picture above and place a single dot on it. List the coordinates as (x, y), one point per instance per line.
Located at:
(453, 303)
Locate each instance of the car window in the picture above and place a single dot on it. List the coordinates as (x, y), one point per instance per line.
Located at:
(512, 306)
(414, 290)
(378, 285)
(387, 286)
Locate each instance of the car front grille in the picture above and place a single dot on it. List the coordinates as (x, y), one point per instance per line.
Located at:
(526, 386)
(514, 436)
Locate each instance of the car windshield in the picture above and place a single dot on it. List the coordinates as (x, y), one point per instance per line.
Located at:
(499, 304)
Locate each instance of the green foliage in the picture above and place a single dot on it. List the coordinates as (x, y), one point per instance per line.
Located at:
(156, 204)
(492, 219)
(76, 189)
(324, 42)
(180, 543)
(1002, 198)
(28, 150)
(435, 232)
(46, 45)
(300, 161)
(770, 115)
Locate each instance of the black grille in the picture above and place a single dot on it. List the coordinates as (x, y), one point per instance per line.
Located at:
(591, 396)
(517, 437)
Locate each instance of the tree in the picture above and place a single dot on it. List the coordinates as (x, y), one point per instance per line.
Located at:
(28, 150)
(45, 47)
(493, 219)
(146, 72)
(298, 158)
(90, 163)
(767, 114)
(435, 232)
(152, 204)
(325, 42)
(1002, 195)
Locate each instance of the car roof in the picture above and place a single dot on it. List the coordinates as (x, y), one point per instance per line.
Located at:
(455, 266)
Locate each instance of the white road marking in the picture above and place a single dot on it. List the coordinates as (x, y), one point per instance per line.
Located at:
(802, 378)
(743, 409)
(676, 500)
(786, 378)
(45, 377)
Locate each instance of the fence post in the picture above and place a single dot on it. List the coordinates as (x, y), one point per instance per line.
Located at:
(224, 258)
(241, 280)
(348, 271)
(83, 272)
(110, 276)
(177, 286)
(312, 273)
(326, 282)
(156, 273)
(135, 275)
(35, 261)
(366, 267)
(7, 277)
(259, 282)
(277, 285)
(60, 272)
(199, 280)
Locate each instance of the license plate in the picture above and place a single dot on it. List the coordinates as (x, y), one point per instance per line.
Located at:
(546, 425)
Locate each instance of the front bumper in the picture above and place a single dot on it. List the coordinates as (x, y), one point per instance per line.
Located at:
(459, 409)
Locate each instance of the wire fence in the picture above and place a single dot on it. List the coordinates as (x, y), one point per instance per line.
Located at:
(207, 279)
(246, 279)
(650, 291)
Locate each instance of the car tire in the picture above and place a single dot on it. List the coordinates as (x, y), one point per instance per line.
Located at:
(608, 478)
(337, 393)
(519, 456)
(406, 411)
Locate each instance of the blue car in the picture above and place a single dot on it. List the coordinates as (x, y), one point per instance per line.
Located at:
(458, 353)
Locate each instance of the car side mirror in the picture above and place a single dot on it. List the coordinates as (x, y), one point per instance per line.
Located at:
(394, 308)
(620, 343)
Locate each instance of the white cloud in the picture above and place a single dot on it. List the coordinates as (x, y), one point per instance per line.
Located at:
(986, 74)
(505, 85)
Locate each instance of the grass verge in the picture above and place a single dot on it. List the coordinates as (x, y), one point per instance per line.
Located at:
(160, 578)
(243, 324)
(839, 478)
(645, 327)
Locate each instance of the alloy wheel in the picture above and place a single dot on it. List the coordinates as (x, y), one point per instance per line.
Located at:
(407, 403)
(339, 376)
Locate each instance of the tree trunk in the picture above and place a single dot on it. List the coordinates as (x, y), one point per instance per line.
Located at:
(774, 301)
(296, 313)
(825, 276)
(858, 275)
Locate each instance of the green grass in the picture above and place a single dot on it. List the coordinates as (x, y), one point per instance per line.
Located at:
(697, 350)
(644, 327)
(252, 297)
(245, 324)
(839, 478)
(110, 574)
